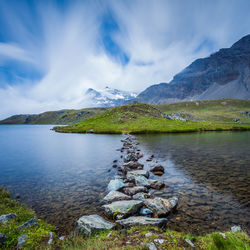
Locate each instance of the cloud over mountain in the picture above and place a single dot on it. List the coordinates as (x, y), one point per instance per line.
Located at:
(51, 52)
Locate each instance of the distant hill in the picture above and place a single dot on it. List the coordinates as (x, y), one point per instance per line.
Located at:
(66, 116)
(197, 116)
(224, 74)
(108, 97)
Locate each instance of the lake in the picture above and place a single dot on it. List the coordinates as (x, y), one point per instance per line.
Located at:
(64, 176)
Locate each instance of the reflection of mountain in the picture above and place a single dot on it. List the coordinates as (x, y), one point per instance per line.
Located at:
(218, 160)
(108, 97)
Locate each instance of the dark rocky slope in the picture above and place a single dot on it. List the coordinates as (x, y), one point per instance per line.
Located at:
(224, 74)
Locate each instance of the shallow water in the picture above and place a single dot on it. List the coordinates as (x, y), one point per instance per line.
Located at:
(64, 176)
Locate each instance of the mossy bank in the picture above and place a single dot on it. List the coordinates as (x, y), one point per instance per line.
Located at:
(139, 118)
(38, 237)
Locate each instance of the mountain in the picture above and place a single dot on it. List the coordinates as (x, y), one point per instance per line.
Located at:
(224, 74)
(108, 97)
(66, 116)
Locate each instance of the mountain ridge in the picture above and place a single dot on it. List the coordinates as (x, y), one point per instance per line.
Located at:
(224, 74)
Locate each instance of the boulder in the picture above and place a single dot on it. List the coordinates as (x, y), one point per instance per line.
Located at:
(141, 220)
(122, 209)
(3, 238)
(134, 190)
(157, 169)
(160, 206)
(235, 229)
(115, 196)
(7, 217)
(30, 223)
(22, 240)
(141, 196)
(132, 174)
(92, 223)
(115, 185)
(157, 184)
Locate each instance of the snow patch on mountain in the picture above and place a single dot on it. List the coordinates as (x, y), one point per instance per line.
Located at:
(108, 97)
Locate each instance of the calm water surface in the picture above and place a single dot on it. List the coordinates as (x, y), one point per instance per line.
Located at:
(64, 176)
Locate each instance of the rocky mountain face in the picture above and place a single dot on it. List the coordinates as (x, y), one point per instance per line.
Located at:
(108, 97)
(224, 74)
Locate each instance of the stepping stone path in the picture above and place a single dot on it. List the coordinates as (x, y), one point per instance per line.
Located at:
(128, 199)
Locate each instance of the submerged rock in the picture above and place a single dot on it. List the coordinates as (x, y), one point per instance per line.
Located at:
(7, 217)
(122, 209)
(3, 238)
(157, 169)
(142, 220)
(115, 185)
(92, 223)
(30, 223)
(134, 190)
(160, 206)
(116, 196)
(157, 184)
(22, 240)
(133, 165)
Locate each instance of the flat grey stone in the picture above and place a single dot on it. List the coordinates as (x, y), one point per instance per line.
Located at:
(190, 242)
(122, 209)
(22, 240)
(161, 206)
(142, 181)
(92, 223)
(115, 196)
(7, 217)
(30, 223)
(115, 185)
(142, 220)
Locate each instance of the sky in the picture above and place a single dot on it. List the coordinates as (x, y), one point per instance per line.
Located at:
(51, 52)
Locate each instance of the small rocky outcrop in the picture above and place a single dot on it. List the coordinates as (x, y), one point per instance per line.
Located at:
(134, 190)
(7, 217)
(115, 185)
(141, 220)
(115, 196)
(122, 209)
(30, 223)
(3, 238)
(160, 206)
(92, 223)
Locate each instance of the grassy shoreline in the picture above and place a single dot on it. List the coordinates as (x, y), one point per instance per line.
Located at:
(139, 118)
(132, 238)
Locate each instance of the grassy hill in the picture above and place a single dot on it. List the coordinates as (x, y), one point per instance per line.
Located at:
(212, 115)
(66, 116)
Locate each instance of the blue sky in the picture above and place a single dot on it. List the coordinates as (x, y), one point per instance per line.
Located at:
(51, 52)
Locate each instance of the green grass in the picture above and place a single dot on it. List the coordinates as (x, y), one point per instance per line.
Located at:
(37, 236)
(215, 115)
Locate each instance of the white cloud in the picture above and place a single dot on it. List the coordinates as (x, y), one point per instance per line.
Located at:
(160, 38)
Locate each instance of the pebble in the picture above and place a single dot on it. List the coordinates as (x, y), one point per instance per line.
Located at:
(190, 242)
(148, 234)
(151, 246)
